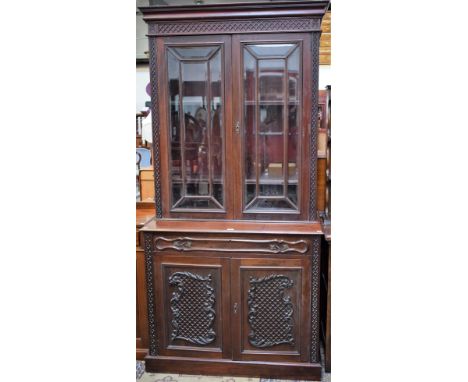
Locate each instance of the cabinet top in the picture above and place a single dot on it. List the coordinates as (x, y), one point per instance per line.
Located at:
(233, 226)
(236, 10)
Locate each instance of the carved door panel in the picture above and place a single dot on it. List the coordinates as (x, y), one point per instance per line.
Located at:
(271, 306)
(191, 317)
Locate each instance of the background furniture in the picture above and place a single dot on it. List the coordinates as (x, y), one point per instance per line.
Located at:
(146, 185)
(322, 138)
(145, 154)
(233, 256)
(142, 217)
(140, 116)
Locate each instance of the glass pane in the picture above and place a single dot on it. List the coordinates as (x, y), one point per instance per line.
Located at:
(272, 49)
(272, 86)
(271, 157)
(280, 204)
(198, 204)
(294, 76)
(174, 120)
(271, 118)
(294, 115)
(194, 101)
(216, 112)
(250, 84)
(271, 73)
(196, 115)
(195, 52)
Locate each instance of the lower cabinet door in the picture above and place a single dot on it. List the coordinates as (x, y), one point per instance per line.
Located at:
(192, 306)
(271, 304)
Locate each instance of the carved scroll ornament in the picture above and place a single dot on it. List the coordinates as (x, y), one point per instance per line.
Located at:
(192, 306)
(188, 244)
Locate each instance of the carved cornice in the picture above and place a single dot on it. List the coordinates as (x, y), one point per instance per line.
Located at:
(190, 244)
(290, 24)
(236, 10)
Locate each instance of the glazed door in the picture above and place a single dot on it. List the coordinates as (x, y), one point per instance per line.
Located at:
(192, 306)
(272, 125)
(195, 110)
(270, 309)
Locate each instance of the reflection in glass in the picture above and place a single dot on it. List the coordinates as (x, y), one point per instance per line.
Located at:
(272, 113)
(196, 93)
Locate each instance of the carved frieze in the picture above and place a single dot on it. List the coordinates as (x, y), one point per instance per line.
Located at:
(270, 313)
(288, 24)
(274, 246)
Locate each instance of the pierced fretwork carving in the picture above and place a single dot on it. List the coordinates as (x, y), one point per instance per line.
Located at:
(270, 311)
(153, 340)
(192, 306)
(155, 126)
(314, 328)
(313, 131)
(234, 26)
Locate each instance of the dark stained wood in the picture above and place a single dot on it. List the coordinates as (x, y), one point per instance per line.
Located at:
(198, 326)
(233, 291)
(307, 371)
(235, 10)
(259, 289)
(241, 226)
(225, 43)
(303, 39)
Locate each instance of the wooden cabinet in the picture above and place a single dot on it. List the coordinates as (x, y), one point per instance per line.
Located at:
(233, 256)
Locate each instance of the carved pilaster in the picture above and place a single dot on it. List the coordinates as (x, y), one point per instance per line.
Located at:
(315, 322)
(313, 128)
(153, 342)
(155, 126)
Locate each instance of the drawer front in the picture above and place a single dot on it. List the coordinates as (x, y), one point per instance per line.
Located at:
(259, 244)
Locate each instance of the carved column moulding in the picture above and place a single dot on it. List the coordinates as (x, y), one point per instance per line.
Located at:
(155, 127)
(313, 131)
(192, 306)
(189, 244)
(150, 293)
(314, 344)
(270, 312)
(290, 24)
